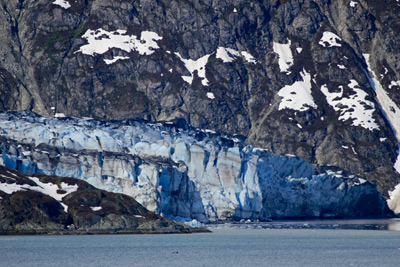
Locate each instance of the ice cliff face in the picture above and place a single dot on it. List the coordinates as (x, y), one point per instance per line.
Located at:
(182, 171)
(317, 79)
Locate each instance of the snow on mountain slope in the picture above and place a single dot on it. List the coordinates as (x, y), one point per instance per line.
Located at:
(298, 95)
(389, 108)
(191, 174)
(52, 190)
(100, 41)
(285, 55)
(62, 3)
(330, 39)
(355, 107)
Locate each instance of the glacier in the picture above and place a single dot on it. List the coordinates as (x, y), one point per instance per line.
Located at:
(181, 171)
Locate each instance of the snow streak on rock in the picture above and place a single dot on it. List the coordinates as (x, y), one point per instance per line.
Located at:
(210, 95)
(354, 107)
(45, 188)
(198, 65)
(248, 57)
(228, 55)
(388, 107)
(115, 59)
(394, 84)
(62, 3)
(330, 39)
(353, 4)
(298, 95)
(100, 41)
(285, 55)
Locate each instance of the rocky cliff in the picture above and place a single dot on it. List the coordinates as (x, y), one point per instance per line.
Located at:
(317, 79)
(47, 204)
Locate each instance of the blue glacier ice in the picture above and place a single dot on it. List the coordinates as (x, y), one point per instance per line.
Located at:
(181, 171)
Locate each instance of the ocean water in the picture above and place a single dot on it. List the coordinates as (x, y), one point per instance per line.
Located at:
(226, 246)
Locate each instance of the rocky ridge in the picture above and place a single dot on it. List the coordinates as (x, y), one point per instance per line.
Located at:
(54, 205)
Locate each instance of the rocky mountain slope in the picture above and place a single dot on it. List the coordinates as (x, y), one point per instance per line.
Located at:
(184, 172)
(317, 79)
(48, 204)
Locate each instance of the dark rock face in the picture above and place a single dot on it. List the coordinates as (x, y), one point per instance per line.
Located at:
(45, 68)
(30, 206)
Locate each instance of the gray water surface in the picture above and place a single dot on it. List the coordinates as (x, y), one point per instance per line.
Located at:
(223, 247)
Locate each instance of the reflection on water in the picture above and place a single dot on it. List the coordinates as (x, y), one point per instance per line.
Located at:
(362, 224)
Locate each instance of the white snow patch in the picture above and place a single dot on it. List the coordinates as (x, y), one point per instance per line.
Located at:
(228, 55)
(51, 189)
(285, 55)
(44, 188)
(299, 49)
(62, 3)
(345, 147)
(59, 115)
(394, 83)
(299, 125)
(248, 57)
(331, 39)
(10, 188)
(388, 107)
(235, 10)
(95, 208)
(198, 65)
(362, 181)
(210, 95)
(354, 107)
(115, 59)
(342, 67)
(353, 4)
(208, 131)
(100, 41)
(382, 139)
(298, 95)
